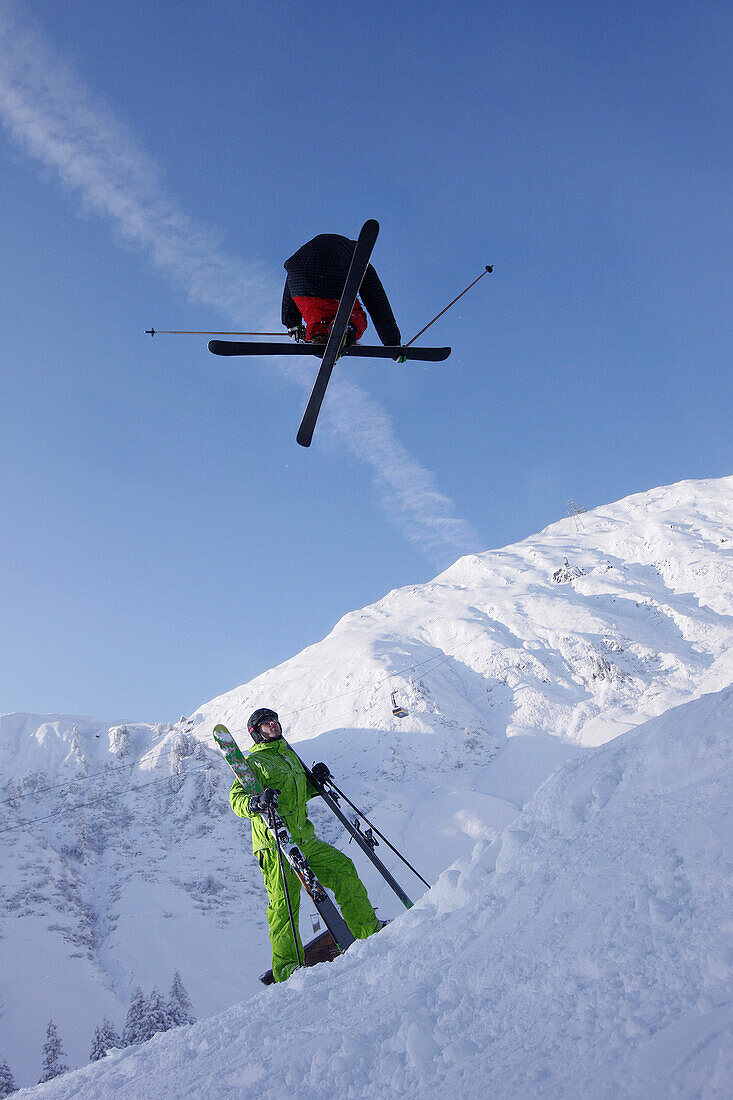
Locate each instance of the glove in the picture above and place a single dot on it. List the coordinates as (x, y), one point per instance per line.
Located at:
(397, 342)
(261, 803)
(297, 333)
(320, 773)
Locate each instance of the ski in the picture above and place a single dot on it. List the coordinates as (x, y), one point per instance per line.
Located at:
(364, 351)
(333, 920)
(366, 841)
(357, 270)
(338, 793)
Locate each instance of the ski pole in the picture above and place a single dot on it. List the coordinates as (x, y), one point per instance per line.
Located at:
(196, 332)
(356, 834)
(273, 829)
(376, 830)
(422, 330)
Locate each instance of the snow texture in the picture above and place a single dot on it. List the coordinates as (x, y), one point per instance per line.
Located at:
(577, 940)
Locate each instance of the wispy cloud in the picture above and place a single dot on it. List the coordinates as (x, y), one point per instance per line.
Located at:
(58, 121)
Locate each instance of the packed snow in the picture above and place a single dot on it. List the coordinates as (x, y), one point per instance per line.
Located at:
(562, 777)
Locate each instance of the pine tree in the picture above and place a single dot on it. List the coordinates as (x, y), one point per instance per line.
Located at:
(179, 1003)
(135, 1025)
(158, 1017)
(105, 1038)
(52, 1054)
(7, 1084)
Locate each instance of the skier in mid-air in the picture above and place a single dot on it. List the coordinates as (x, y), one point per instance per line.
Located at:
(286, 786)
(316, 276)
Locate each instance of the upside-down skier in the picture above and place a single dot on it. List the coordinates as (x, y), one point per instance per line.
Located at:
(315, 281)
(286, 786)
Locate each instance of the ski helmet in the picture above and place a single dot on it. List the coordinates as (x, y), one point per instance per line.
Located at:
(263, 714)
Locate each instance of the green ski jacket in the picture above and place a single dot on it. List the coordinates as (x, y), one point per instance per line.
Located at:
(275, 765)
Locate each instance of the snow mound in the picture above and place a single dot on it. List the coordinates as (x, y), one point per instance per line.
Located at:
(586, 951)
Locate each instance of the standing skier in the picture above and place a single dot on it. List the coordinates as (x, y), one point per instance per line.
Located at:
(316, 276)
(285, 785)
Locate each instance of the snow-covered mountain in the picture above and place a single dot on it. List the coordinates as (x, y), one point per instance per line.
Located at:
(585, 952)
(511, 663)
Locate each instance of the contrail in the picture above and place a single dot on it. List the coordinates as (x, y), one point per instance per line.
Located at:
(55, 118)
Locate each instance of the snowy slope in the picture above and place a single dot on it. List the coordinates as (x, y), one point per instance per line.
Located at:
(586, 952)
(511, 663)
(579, 632)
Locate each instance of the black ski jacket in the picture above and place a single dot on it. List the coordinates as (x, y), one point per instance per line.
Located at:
(319, 269)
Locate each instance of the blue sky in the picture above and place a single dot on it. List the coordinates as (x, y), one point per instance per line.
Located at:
(163, 536)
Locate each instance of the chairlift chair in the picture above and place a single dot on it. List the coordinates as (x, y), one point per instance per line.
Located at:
(397, 710)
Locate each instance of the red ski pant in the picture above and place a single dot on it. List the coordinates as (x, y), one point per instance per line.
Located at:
(319, 313)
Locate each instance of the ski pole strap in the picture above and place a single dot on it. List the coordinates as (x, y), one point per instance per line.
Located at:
(422, 330)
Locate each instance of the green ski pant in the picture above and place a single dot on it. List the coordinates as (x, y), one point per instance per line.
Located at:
(336, 872)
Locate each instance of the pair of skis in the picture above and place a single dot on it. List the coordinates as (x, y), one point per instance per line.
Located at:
(287, 849)
(336, 346)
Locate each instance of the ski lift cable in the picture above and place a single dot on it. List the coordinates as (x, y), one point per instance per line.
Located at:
(101, 798)
(160, 779)
(389, 676)
(112, 794)
(22, 795)
(92, 802)
(82, 778)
